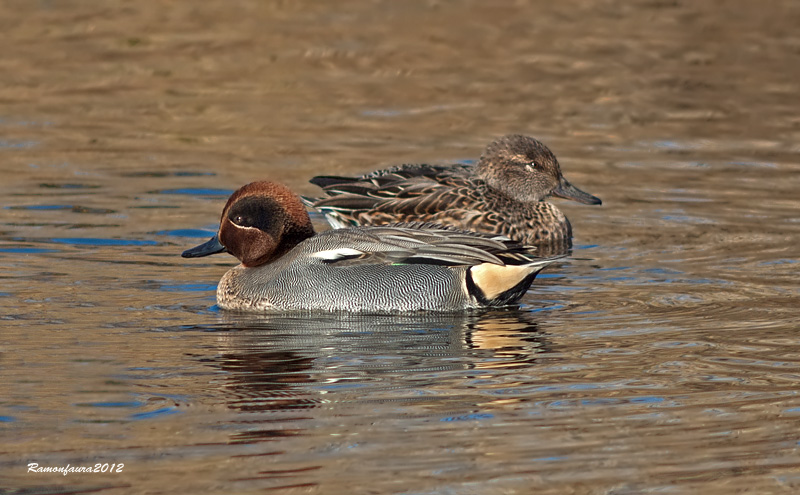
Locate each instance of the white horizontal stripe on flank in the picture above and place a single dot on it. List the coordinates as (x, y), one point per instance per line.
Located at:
(335, 254)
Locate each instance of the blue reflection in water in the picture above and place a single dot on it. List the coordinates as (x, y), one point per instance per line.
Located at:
(164, 411)
(40, 207)
(197, 191)
(469, 417)
(17, 144)
(90, 241)
(188, 287)
(192, 233)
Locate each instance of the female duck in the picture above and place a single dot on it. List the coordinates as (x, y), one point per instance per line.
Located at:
(286, 266)
(503, 194)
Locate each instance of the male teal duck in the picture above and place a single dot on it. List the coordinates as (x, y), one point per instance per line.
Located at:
(285, 266)
(503, 194)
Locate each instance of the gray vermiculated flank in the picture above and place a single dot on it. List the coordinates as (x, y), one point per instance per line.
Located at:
(301, 281)
(351, 288)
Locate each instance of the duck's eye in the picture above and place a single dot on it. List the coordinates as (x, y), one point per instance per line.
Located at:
(242, 221)
(531, 166)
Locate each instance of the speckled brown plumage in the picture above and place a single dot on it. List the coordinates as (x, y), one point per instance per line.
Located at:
(502, 194)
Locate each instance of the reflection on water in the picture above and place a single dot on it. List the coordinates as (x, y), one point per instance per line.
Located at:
(272, 358)
(662, 357)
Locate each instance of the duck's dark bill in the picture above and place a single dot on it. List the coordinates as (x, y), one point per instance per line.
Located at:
(213, 246)
(568, 191)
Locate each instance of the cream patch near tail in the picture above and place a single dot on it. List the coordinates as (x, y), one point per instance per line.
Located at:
(493, 279)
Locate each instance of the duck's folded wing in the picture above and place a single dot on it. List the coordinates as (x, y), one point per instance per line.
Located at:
(333, 184)
(408, 180)
(408, 171)
(414, 197)
(417, 243)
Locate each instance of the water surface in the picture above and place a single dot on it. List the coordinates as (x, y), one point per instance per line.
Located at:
(662, 358)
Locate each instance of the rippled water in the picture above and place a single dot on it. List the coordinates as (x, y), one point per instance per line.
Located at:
(662, 358)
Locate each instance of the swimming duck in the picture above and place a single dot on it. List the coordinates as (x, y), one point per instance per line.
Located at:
(285, 265)
(504, 193)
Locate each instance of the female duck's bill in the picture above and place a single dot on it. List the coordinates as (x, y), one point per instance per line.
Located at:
(567, 191)
(405, 267)
(504, 193)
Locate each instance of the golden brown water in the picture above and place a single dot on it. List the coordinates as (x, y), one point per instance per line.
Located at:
(663, 358)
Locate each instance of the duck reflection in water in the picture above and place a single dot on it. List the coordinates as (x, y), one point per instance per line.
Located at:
(291, 363)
